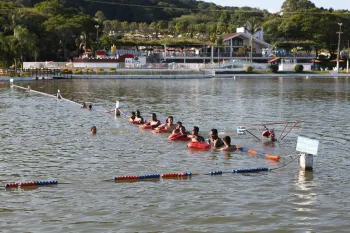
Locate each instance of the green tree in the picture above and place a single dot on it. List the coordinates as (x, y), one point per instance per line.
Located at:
(290, 6)
(100, 17)
(23, 44)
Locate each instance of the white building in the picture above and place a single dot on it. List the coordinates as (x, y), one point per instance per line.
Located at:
(242, 37)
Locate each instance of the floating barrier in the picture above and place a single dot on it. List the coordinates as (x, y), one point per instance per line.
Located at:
(33, 183)
(214, 173)
(135, 178)
(251, 170)
(263, 154)
(183, 175)
(175, 175)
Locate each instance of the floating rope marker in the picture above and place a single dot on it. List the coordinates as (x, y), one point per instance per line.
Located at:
(250, 170)
(214, 173)
(33, 183)
(263, 154)
(150, 176)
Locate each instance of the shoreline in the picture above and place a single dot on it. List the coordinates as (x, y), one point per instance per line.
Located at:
(195, 76)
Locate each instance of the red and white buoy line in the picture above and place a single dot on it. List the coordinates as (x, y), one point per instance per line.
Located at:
(134, 178)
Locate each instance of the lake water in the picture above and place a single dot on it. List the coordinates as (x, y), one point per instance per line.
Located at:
(46, 139)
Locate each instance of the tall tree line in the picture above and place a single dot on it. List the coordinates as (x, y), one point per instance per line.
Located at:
(60, 29)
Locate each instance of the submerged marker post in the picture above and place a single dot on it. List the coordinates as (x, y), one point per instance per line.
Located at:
(308, 148)
(59, 94)
(117, 112)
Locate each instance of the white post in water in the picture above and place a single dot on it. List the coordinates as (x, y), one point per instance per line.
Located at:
(308, 148)
(59, 94)
(116, 110)
(11, 82)
(28, 88)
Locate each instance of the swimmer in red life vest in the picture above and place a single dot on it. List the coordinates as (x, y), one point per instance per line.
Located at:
(269, 133)
(154, 122)
(195, 137)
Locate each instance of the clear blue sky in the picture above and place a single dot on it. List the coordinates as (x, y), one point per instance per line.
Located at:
(275, 5)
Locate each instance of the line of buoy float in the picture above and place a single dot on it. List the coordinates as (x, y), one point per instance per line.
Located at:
(263, 154)
(32, 183)
(184, 175)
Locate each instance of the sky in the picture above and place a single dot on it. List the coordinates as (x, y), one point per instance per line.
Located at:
(275, 5)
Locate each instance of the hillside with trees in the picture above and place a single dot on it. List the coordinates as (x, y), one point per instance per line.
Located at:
(60, 29)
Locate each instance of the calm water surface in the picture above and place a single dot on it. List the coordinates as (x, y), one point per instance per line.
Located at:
(45, 139)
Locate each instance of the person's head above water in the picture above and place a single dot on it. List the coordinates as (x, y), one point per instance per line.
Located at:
(227, 140)
(154, 116)
(195, 130)
(93, 130)
(170, 119)
(90, 107)
(133, 113)
(214, 133)
(138, 113)
(83, 105)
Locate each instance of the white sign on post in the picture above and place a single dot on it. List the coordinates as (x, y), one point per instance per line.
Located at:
(240, 130)
(307, 145)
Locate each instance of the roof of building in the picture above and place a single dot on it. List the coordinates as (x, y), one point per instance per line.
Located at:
(248, 36)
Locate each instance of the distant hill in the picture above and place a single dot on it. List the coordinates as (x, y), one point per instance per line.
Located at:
(135, 10)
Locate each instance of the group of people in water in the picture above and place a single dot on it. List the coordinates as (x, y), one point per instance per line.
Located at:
(169, 126)
(215, 141)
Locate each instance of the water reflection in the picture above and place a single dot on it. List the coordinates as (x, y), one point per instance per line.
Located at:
(304, 185)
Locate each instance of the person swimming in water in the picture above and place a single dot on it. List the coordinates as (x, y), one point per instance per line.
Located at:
(138, 119)
(269, 133)
(215, 141)
(90, 107)
(168, 125)
(83, 105)
(228, 147)
(194, 136)
(93, 130)
(154, 122)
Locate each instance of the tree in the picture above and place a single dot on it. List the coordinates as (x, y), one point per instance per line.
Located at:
(64, 28)
(23, 43)
(100, 17)
(290, 6)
